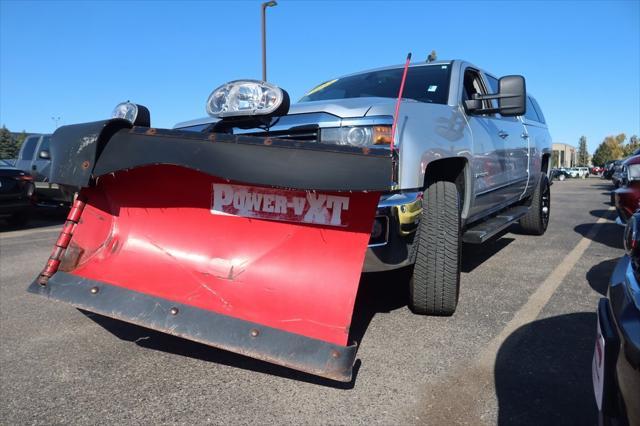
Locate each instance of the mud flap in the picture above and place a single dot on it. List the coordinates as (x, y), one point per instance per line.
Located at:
(266, 272)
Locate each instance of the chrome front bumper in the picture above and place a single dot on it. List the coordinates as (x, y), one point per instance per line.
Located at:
(399, 214)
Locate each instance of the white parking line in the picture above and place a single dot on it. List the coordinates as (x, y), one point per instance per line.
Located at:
(10, 242)
(530, 311)
(449, 404)
(26, 232)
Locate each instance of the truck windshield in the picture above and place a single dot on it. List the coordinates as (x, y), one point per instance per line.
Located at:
(633, 170)
(427, 83)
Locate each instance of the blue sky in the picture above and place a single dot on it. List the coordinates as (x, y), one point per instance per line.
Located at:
(78, 59)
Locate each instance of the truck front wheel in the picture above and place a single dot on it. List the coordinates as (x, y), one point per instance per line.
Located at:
(435, 284)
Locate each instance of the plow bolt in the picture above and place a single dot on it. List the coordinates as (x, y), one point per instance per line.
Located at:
(254, 332)
(94, 290)
(173, 311)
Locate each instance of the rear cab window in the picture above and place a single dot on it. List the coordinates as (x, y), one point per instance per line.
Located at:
(531, 113)
(538, 110)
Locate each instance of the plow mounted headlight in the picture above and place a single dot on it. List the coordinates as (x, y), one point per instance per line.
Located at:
(360, 136)
(138, 115)
(247, 98)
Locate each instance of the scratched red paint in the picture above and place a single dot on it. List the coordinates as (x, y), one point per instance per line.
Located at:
(152, 230)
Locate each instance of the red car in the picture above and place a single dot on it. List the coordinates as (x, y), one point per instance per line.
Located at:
(627, 197)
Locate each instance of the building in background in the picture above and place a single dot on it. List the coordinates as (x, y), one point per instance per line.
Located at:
(564, 155)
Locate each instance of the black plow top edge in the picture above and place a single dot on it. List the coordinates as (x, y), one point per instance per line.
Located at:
(83, 151)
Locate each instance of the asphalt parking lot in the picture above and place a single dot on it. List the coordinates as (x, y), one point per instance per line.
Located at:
(517, 351)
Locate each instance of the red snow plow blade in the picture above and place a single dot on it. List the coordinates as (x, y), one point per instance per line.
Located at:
(204, 254)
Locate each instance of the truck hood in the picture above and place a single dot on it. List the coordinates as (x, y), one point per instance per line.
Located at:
(342, 108)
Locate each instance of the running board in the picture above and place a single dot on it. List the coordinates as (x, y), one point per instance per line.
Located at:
(487, 229)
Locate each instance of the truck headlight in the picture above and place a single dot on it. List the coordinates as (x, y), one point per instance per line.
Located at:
(360, 136)
(246, 98)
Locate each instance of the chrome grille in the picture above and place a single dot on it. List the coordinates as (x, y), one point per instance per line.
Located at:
(306, 133)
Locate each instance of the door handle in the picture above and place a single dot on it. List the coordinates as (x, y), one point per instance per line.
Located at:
(524, 136)
(503, 134)
(33, 167)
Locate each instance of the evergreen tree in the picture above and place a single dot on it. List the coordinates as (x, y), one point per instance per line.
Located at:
(8, 147)
(583, 154)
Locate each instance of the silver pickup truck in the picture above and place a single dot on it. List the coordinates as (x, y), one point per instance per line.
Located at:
(247, 230)
(35, 158)
(472, 158)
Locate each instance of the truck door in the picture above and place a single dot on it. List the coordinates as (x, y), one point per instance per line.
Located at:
(42, 160)
(539, 138)
(516, 144)
(489, 163)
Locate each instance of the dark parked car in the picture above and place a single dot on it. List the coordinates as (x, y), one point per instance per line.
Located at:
(616, 359)
(618, 174)
(16, 194)
(560, 174)
(610, 168)
(627, 196)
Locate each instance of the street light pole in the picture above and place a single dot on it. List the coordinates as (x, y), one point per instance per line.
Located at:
(264, 36)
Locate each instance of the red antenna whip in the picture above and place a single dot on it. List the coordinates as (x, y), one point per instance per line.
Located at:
(395, 115)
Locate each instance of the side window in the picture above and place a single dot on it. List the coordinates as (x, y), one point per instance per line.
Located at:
(472, 84)
(44, 146)
(494, 87)
(29, 147)
(538, 110)
(531, 114)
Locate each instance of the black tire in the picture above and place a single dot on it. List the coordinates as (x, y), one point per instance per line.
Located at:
(435, 284)
(535, 222)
